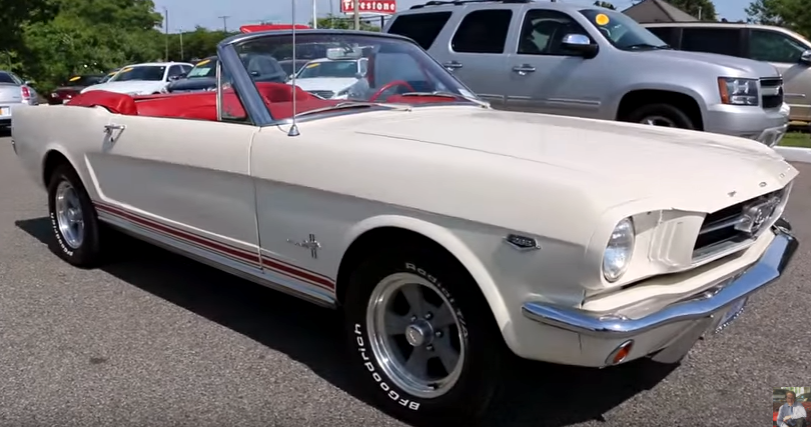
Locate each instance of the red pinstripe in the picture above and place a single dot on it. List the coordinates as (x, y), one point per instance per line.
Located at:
(239, 254)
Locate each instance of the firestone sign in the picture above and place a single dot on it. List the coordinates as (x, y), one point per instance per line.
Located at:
(384, 7)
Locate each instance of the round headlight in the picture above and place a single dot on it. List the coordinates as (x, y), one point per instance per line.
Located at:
(619, 251)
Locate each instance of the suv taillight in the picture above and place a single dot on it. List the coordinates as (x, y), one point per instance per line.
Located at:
(26, 94)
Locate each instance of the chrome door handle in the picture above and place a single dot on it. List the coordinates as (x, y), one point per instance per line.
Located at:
(111, 127)
(524, 69)
(452, 65)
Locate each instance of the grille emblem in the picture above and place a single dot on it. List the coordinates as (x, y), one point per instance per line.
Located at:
(756, 214)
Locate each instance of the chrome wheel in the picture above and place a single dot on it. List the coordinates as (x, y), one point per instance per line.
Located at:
(416, 335)
(69, 214)
(658, 121)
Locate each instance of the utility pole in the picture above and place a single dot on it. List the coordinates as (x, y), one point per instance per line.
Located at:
(357, 14)
(166, 33)
(699, 13)
(182, 56)
(224, 23)
(315, 16)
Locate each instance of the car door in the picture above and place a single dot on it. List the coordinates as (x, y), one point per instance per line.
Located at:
(544, 77)
(185, 182)
(784, 51)
(476, 53)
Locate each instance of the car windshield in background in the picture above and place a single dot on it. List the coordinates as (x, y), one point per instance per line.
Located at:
(204, 68)
(396, 71)
(329, 69)
(622, 31)
(82, 81)
(140, 72)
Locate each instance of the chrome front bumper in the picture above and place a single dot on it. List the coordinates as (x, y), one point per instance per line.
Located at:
(696, 314)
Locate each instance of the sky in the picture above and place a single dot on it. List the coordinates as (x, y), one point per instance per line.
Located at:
(184, 15)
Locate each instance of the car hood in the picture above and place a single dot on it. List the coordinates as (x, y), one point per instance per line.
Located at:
(134, 86)
(749, 67)
(618, 162)
(195, 83)
(335, 84)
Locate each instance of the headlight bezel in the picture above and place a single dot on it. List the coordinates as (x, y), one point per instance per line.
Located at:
(623, 240)
(739, 91)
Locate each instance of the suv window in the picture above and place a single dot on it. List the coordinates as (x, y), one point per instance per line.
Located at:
(726, 41)
(543, 30)
(483, 31)
(773, 46)
(175, 71)
(667, 34)
(421, 27)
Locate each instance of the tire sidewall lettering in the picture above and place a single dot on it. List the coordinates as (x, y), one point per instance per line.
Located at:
(59, 239)
(376, 376)
(411, 267)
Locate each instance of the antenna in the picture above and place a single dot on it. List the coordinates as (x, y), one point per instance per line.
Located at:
(293, 128)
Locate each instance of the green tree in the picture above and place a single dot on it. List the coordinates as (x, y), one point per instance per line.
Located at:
(702, 9)
(199, 43)
(604, 4)
(792, 14)
(14, 14)
(343, 23)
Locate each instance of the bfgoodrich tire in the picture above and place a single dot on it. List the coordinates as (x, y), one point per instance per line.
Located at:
(423, 338)
(73, 219)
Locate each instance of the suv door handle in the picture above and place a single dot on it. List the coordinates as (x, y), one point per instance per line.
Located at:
(452, 65)
(524, 69)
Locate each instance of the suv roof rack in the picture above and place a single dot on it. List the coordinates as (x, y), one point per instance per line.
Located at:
(461, 2)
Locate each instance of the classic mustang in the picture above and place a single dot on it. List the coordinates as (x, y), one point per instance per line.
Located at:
(450, 234)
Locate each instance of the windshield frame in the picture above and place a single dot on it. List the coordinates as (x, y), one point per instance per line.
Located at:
(255, 108)
(626, 21)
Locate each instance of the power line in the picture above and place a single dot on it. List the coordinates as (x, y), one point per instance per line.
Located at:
(224, 22)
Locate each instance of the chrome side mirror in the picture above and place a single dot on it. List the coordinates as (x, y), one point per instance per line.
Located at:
(805, 58)
(581, 44)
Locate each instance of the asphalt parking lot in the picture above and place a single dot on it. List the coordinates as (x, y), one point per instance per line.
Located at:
(158, 340)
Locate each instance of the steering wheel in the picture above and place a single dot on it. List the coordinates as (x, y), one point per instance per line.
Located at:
(390, 85)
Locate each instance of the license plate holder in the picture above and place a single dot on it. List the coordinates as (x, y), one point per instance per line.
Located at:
(731, 313)
(4, 111)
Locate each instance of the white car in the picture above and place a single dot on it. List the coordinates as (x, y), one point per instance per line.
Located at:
(333, 78)
(143, 79)
(450, 234)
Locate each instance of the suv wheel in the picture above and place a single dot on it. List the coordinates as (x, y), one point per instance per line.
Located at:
(661, 115)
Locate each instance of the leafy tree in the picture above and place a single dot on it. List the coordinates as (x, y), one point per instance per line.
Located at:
(16, 13)
(197, 44)
(792, 14)
(343, 23)
(703, 8)
(604, 4)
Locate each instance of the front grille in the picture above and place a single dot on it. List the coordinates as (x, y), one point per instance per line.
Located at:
(725, 228)
(771, 92)
(326, 94)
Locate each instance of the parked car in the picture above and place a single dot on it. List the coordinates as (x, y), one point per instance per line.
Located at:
(287, 65)
(783, 48)
(447, 245)
(586, 61)
(201, 77)
(143, 79)
(109, 75)
(14, 94)
(333, 79)
(72, 87)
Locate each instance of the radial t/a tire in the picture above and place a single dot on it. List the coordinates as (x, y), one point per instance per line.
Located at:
(73, 219)
(380, 302)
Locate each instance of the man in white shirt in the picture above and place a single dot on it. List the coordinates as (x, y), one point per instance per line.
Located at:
(791, 412)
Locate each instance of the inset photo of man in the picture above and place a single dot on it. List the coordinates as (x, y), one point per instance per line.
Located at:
(792, 407)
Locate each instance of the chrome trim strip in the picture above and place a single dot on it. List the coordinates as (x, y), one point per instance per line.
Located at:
(610, 325)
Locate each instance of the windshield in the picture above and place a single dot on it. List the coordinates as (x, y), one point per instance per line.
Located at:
(82, 81)
(396, 71)
(204, 68)
(622, 31)
(140, 72)
(329, 68)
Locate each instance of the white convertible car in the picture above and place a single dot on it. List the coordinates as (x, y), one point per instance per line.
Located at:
(450, 234)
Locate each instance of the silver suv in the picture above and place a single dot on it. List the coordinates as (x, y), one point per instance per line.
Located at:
(587, 61)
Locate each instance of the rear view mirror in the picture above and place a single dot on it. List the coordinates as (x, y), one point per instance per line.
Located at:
(805, 58)
(580, 43)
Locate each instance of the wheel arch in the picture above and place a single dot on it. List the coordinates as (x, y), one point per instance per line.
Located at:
(687, 102)
(368, 235)
(52, 159)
